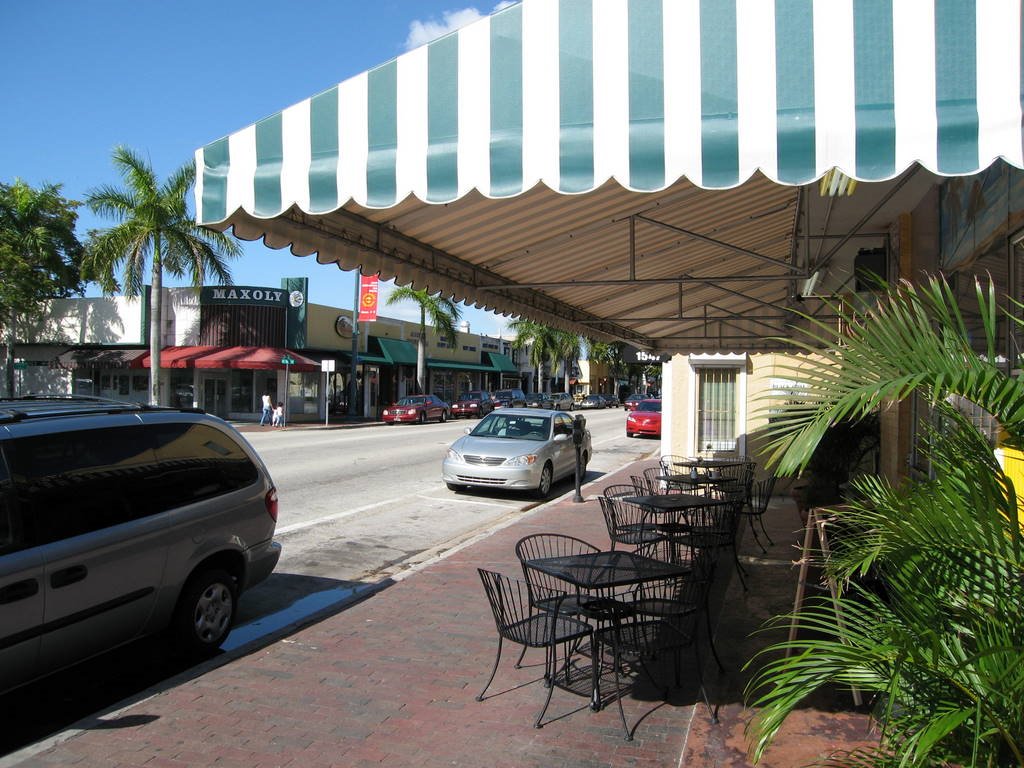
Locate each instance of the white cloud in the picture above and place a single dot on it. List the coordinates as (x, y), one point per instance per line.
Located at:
(422, 32)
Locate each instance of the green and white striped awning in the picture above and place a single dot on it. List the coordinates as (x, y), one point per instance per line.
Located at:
(560, 119)
(571, 93)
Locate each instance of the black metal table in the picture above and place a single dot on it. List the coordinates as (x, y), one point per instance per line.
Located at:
(700, 480)
(671, 502)
(600, 572)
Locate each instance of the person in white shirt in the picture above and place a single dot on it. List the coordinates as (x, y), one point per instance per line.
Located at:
(268, 407)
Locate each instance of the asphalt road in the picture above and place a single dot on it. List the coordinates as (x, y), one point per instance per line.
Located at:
(356, 507)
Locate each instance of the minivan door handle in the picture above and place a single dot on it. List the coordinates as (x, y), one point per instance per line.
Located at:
(18, 590)
(67, 576)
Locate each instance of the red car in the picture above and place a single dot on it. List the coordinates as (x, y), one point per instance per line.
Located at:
(416, 408)
(645, 419)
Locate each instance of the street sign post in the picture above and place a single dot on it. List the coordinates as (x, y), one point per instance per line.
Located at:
(286, 361)
(327, 366)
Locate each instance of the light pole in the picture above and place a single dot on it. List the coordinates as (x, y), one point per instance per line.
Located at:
(353, 392)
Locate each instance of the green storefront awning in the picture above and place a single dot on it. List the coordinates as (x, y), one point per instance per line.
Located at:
(397, 351)
(501, 363)
(454, 365)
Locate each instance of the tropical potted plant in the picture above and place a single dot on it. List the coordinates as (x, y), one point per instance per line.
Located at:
(939, 651)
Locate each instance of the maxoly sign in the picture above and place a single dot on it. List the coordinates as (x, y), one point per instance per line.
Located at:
(244, 294)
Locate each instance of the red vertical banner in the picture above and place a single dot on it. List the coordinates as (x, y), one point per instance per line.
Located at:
(367, 298)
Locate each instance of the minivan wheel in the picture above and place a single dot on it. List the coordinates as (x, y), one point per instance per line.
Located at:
(544, 486)
(206, 611)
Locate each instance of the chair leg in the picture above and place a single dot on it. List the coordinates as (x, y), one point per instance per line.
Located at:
(753, 530)
(519, 661)
(550, 662)
(494, 669)
(739, 567)
(703, 691)
(760, 520)
(711, 635)
(616, 660)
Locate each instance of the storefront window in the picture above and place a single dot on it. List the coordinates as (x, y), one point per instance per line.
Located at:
(716, 409)
(242, 400)
(182, 390)
(303, 393)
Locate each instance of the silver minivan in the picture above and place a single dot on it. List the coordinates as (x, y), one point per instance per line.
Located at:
(118, 521)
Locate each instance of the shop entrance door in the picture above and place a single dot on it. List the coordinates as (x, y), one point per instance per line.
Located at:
(215, 397)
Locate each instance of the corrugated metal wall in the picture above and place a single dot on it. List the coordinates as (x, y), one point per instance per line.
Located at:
(242, 326)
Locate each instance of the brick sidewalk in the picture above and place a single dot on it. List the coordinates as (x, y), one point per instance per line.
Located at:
(392, 680)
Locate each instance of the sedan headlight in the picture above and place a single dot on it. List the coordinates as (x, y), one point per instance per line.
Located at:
(454, 455)
(525, 460)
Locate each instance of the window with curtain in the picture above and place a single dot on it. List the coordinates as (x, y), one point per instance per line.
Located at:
(716, 409)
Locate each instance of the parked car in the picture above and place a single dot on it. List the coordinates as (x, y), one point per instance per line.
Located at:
(611, 401)
(562, 401)
(631, 401)
(645, 419)
(509, 398)
(417, 409)
(592, 402)
(117, 521)
(474, 404)
(515, 449)
(540, 400)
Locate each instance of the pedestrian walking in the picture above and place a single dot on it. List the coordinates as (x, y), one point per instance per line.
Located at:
(278, 420)
(268, 409)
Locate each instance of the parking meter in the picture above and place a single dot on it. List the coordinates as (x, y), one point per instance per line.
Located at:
(579, 426)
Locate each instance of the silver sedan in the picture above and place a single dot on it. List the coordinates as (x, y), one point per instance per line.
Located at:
(515, 449)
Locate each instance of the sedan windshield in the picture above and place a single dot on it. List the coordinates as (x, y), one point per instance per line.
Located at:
(412, 400)
(649, 405)
(514, 427)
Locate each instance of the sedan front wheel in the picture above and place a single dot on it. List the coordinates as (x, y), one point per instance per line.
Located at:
(544, 486)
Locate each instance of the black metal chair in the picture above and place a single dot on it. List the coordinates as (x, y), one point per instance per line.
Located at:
(663, 622)
(540, 545)
(703, 563)
(627, 523)
(757, 505)
(518, 620)
(714, 527)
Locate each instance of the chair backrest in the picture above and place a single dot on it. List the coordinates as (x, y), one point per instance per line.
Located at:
(651, 475)
(509, 599)
(668, 463)
(762, 494)
(627, 523)
(620, 489)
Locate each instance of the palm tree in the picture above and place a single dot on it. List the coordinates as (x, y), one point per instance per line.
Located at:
(153, 225)
(444, 315)
(936, 637)
(608, 354)
(39, 255)
(545, 345)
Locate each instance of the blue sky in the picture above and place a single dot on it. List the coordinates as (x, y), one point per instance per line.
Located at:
(168, 76)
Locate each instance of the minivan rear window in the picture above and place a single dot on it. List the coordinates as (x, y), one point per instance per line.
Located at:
(71, 483)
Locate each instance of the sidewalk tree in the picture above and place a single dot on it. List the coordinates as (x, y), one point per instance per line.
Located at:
(935, 637)
(39, 256)
(153, 226)
(444, 315)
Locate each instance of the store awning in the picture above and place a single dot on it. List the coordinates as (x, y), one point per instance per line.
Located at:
(644, 171)
(178, 357)
(501, 363)
(396, 351)
(76, 359)
(453, 365)
(246, 358)
(256, 359)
